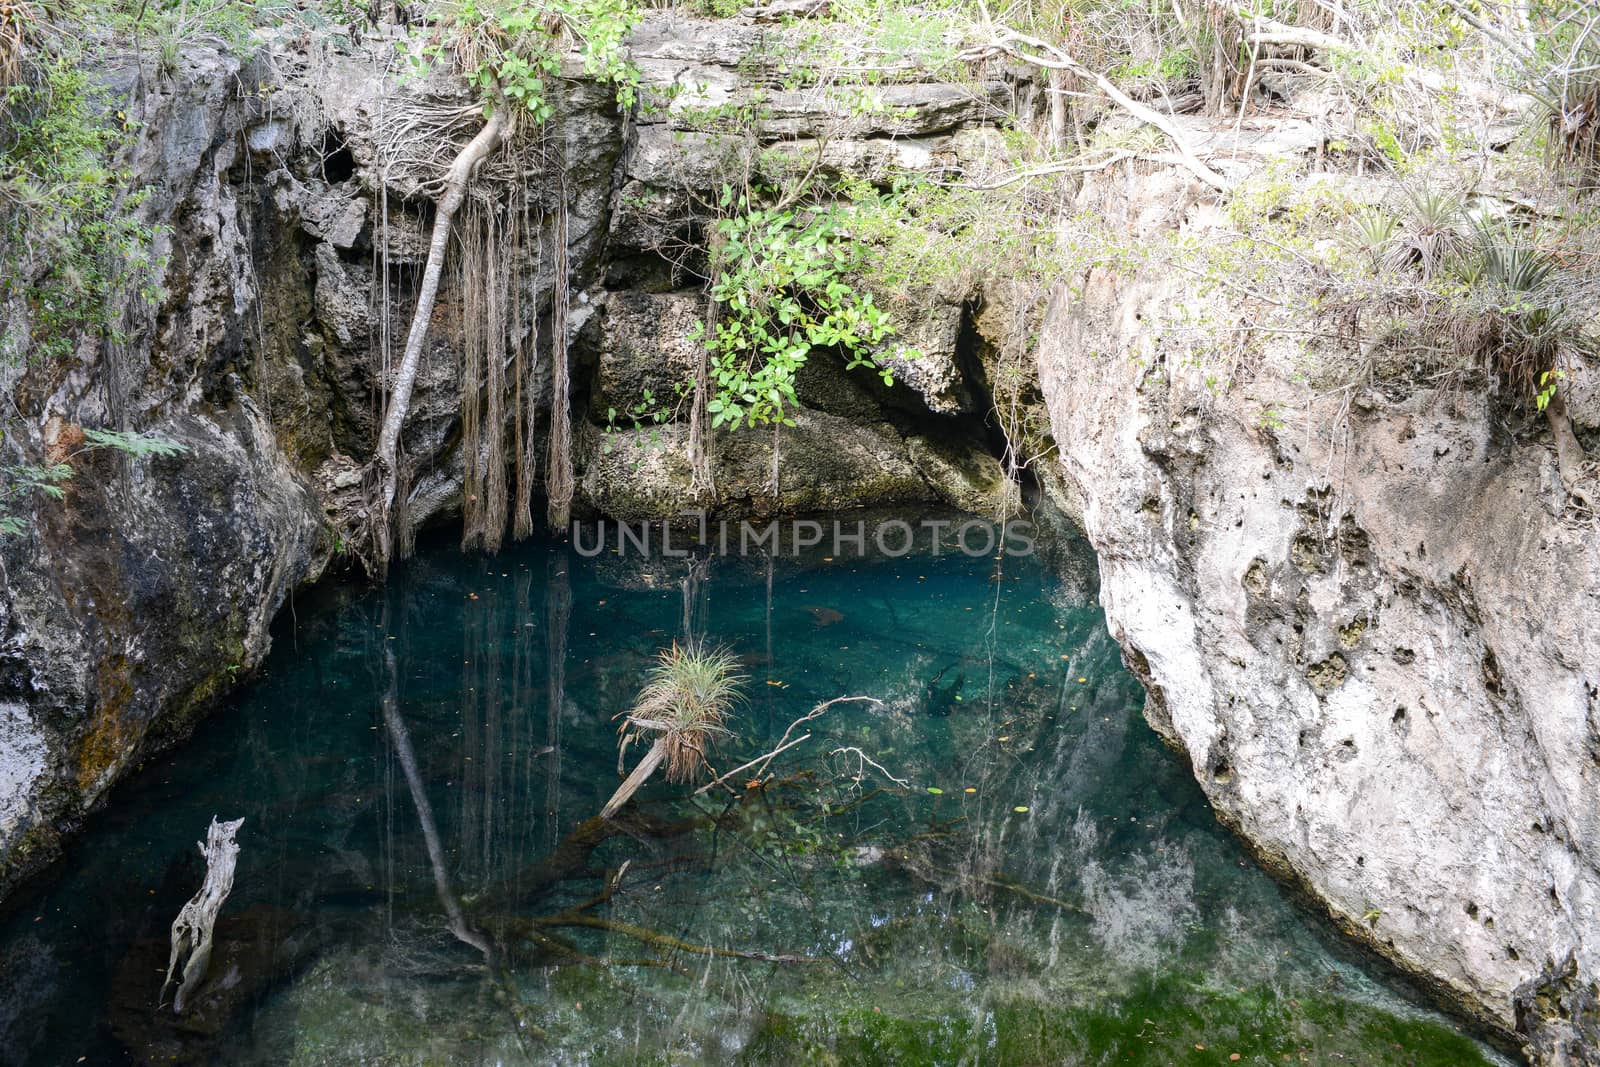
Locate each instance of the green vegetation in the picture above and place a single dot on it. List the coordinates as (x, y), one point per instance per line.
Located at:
(20, 482)
(17, 483)
(510, 50)
(783, 292)
(71, 245)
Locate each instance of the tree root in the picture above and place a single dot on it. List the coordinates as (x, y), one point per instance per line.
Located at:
(385, 463)
(1571, 461)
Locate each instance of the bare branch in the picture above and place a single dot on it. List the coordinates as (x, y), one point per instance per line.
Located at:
(870, 762)
(1042, 54)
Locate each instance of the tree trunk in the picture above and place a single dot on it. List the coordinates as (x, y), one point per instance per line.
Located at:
(631, 785)
(1058, 111)
(386, 460)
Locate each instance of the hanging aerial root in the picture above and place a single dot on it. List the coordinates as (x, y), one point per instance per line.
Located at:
(559, 483)
(384, 473)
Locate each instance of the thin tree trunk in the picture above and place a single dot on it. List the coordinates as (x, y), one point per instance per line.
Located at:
(635, 781)
(400, 738)
(1058, 111)
(455, 190)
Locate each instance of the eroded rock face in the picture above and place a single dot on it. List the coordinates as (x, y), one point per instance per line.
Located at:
(148, 588)
(1371, 629)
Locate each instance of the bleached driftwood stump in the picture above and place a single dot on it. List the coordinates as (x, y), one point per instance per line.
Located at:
(191, 930)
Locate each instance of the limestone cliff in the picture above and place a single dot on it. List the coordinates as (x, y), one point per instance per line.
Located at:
(1368, 619)
(1367, 616)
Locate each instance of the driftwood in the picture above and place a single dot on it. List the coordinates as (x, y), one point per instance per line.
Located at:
(636, 780)
(192, 929)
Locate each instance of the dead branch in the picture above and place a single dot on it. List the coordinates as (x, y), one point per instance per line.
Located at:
(192, 929)
(759, 759)
(636, 780)
(940, 877)
(812, 714)
(868, 761)
(660, 940)
(787, 9)
(1269, 32)
(1039, 53)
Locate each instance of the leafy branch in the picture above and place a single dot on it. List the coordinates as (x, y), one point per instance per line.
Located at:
(784, 291)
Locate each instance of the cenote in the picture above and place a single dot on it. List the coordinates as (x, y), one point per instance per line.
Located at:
(429, 883)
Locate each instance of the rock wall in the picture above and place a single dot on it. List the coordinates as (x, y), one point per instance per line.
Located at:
(145, 592)
(1369, 622)
(294, 220)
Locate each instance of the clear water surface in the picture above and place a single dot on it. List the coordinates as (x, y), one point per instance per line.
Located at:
(426, 883)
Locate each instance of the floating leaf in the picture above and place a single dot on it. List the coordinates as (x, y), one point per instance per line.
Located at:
(935, 790)
(971, 790)
(1020, 810)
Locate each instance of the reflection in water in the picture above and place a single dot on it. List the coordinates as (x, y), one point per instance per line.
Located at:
(992, 862)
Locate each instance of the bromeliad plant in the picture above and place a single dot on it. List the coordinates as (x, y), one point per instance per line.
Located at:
(781, 284)
(684, 705)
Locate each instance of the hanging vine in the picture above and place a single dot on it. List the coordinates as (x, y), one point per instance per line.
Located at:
(559, 481)
(509, 52)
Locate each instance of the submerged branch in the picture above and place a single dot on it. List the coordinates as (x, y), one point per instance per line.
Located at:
(751, 763)
(660, 940)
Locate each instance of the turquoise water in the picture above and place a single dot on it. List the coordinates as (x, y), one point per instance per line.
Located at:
(998, 864)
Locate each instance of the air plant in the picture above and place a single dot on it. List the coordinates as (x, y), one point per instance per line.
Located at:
(684, 705)
(1375, 233)
(1571, 100)
(1433, 232)
(1531, 328)
(16, 23)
